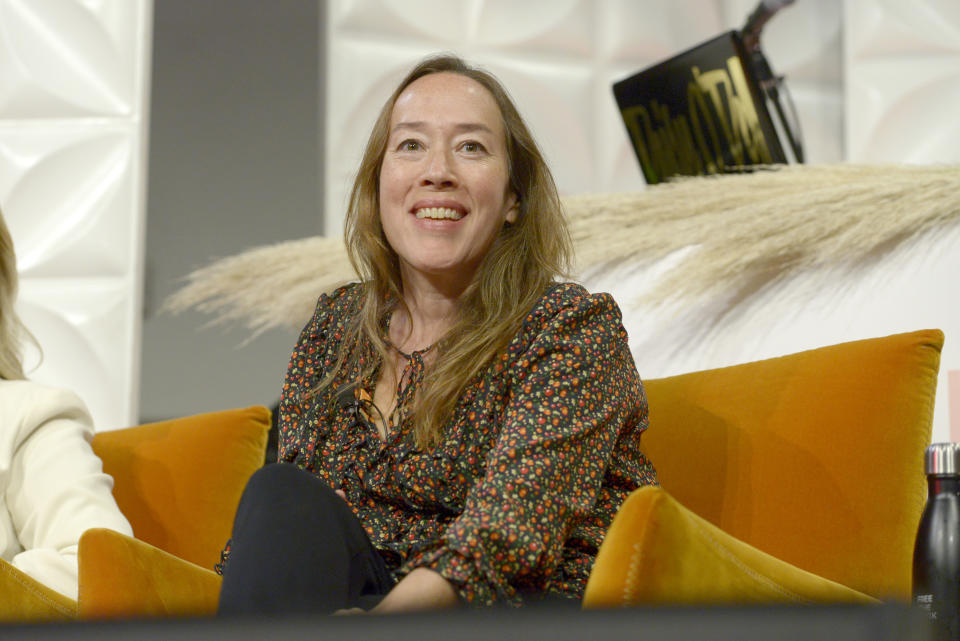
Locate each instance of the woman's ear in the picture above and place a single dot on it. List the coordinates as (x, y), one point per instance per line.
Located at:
(513, 208)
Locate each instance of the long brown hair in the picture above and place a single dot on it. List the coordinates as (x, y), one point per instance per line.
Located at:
(525, 258)
(11, 330)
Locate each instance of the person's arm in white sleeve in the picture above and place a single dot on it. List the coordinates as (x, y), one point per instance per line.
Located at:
(57, 489)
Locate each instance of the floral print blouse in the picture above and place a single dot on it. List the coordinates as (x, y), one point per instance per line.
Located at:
(542, 448)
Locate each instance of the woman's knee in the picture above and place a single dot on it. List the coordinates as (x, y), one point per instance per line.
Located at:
(284, 490)
(277, 477)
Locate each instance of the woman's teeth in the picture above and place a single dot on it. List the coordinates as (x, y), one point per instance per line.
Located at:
(439, 213)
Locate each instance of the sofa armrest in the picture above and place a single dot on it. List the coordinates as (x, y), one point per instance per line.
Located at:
(23, 599)
(659, 552)
(124, 577)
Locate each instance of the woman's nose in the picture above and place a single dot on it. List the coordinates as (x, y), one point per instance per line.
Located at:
(439, 170)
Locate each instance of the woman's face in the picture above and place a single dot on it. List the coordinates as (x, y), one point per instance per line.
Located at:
(444, 179)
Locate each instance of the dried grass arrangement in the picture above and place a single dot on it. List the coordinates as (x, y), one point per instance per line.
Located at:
(747, 232)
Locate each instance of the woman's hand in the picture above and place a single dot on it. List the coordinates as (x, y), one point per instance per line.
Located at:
(422, 589)
(349, 612)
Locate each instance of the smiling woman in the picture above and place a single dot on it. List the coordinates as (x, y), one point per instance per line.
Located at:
(460, 426)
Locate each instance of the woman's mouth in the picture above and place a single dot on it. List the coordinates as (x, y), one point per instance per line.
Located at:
(439, 213)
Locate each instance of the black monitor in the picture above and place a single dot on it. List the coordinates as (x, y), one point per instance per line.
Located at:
(705, 111)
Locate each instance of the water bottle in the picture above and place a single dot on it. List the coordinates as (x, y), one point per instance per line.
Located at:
(936, 553)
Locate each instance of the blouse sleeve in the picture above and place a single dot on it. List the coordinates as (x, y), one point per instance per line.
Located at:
(295, 438)
(571, 394)
(57, 489)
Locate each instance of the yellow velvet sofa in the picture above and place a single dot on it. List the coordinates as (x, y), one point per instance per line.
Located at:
(794, 479)
(179, 483)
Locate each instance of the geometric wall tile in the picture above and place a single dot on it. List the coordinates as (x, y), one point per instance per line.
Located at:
(69, 57)
(557, 27)
(450, 20)
(557, 97)
(636, 34)
(891, 28)
(67, 196)
(902, 64)
(513, 27)
(908, 110)
(85, 334)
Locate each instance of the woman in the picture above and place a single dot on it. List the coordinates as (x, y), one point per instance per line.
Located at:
(467, 425)
(52, 485)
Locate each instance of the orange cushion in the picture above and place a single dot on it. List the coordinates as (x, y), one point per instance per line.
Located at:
(23, 599)
(123, 577)
(814, 458)
(179, 481)
(658, 552)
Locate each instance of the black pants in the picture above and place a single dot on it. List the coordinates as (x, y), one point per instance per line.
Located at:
(297, 548)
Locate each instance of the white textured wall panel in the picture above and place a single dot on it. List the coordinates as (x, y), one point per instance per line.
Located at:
(902, 63)
(69, 57)
(69, 198)
(73, 110)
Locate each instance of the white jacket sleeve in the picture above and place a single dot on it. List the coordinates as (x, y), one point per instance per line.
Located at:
(57, 488)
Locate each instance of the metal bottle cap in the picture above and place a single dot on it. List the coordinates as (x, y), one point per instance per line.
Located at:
(942, 458)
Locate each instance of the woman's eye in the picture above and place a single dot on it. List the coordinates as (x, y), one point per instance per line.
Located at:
(472, 147)
(409, 145)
